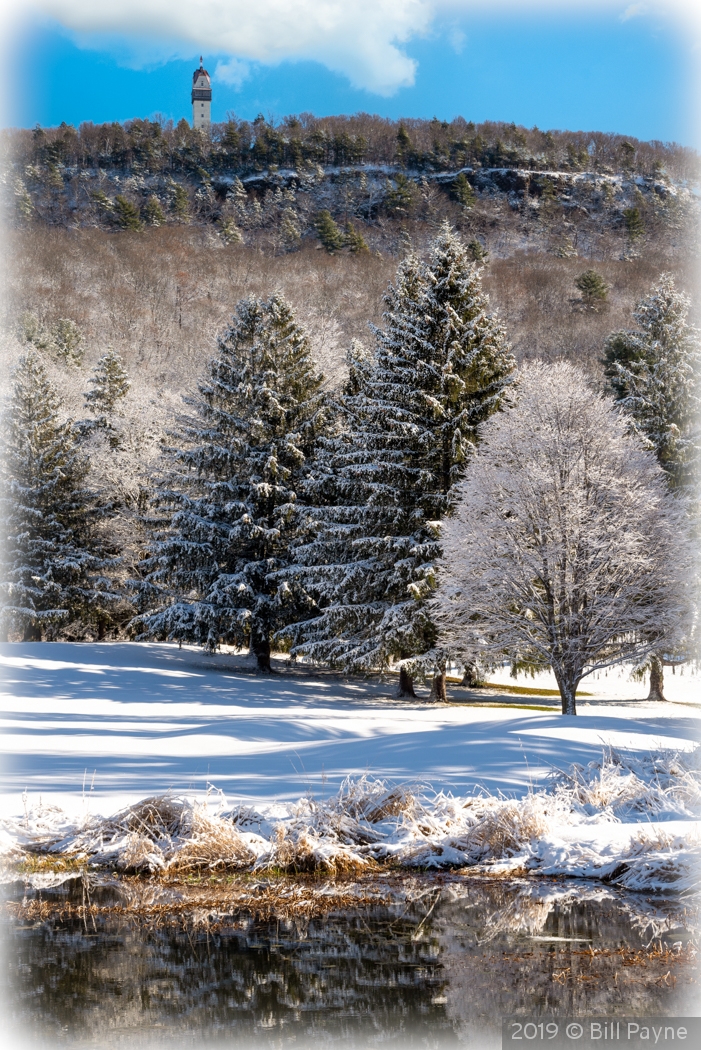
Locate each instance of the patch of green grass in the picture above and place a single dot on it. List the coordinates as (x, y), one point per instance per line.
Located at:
(515, 707)
(523, 690)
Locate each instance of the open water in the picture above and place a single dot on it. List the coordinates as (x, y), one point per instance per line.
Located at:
(438, 966)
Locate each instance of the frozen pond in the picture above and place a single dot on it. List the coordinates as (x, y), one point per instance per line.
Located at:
(432, 962)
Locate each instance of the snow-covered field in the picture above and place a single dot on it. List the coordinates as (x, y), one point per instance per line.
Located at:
(95, 728)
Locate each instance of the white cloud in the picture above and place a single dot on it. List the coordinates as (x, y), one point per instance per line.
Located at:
(633, 11)
(362, 39)
(233, 72)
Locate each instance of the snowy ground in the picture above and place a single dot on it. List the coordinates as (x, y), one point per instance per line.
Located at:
(93, 728)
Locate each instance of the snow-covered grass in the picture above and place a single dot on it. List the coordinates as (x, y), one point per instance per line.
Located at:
(318, 772)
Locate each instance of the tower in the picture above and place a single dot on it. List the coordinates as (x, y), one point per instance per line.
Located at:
(201, 98)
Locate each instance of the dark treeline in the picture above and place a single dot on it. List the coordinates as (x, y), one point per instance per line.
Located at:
(159, 146)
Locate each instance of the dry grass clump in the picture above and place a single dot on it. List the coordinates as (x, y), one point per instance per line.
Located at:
(165, 833)
(374, 800)
(300, 850)
(504, 830)
(623, 786)
(371, 823)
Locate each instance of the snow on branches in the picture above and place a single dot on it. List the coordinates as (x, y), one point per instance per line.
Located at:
(228, 502)
(441, 366)
(52, 564)
(654, 372)
(566, 549)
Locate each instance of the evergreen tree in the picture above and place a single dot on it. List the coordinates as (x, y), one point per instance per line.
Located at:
(153, 213)
(410, 416)
(329, 233)
(126, 214)
(463, 191)
(230, 498)
(635, 227)
(400, 197)
(654, 373)
(51, 559)
(592, 286)
(403, 144)
(476, 251)
(180, 202)
(355, 242)
(110, 382)
(289, 227)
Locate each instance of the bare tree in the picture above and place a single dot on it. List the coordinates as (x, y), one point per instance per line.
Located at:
(565, 549)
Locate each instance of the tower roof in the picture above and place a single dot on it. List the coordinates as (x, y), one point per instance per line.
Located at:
(200, 72)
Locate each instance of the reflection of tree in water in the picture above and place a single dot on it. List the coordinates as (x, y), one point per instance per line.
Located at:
(437, 968)
(562, 948)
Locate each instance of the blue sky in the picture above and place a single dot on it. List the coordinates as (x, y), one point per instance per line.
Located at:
(563, 67)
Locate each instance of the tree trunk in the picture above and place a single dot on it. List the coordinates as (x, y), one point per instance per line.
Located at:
(260, 647)
(406, 684)
(656, 679)
(568, 692)
(32, 633)
(438, 693)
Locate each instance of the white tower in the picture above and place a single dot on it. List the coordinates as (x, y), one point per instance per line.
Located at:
(201, 98)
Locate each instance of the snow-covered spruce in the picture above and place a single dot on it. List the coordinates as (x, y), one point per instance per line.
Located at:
(566, 549)
(52, 562)
(654, 372)
(631, 821)
(441, 367)
(228, 501)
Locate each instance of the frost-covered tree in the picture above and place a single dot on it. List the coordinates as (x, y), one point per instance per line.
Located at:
(110, 383)
(228, 503)
(51, 561)
(566, 548)
(654, 372)
(441, 367)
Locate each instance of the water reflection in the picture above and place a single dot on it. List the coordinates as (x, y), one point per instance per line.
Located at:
(438, 966)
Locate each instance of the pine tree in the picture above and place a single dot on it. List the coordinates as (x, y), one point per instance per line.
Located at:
(635, 227)
(592, 286)
(476, 251)
(229, 501)
(403, 144)
(400, 197)
(654, 373)
(51, 559)
(181, 202)
(126, 214)
(411, 411)
(152, 212)
(110, 382)
(355, 242)
(463, 192)
(289, 227)
(329, 233)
